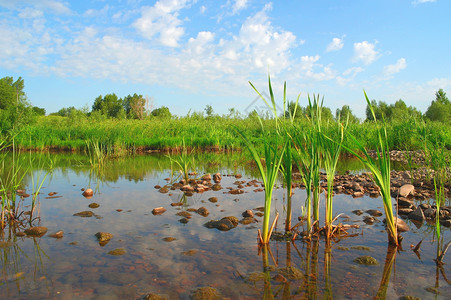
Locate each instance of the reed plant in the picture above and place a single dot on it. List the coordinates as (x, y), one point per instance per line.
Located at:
(380, 169)
(273, 157)
(330, 154)
(184, 162)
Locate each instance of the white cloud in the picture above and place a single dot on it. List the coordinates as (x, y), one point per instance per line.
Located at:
(416, 2)
(52, 6)
(203, 9)
(335, 45)
(365, 52)
(395, 68)
(239, 5)
(162, 20)
(348, 75)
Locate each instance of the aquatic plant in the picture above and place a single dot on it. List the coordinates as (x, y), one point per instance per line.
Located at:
(185, 162)
(273, 157)
(330, 153)
(380, 168)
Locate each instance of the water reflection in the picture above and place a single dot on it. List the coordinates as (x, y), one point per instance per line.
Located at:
(76, 266)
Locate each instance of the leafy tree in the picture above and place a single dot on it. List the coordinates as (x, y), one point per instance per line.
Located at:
(345, 113)
(440, 108)
(14, 107)
(209, 111)
(64, 112)
(135, 106)
(397, 111)
(109, 105)
(38, 111)
(162, 112)
(291, 106)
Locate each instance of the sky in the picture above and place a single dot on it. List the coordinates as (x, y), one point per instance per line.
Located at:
(187, 54)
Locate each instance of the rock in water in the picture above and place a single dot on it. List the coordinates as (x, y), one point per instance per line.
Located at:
(217, 177)
(36, 231)
(417, 215)
(406, 190)
(401, 225)
(84, 214)
(88, 193)
(103, 237)
(158, 210)
(204, 293)
(366, 260)
(57, 235)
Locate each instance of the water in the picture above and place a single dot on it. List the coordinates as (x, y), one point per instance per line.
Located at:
(77, 267)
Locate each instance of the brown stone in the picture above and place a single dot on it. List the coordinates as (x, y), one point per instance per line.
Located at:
(158, 210)
(88, 193)
(36, 231)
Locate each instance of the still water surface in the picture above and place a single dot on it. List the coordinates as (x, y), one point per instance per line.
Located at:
(77, 267)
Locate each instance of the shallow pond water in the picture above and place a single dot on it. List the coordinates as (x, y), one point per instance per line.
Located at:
(166, 257)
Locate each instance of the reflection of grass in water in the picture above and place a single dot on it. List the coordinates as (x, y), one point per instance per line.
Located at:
(15, 262)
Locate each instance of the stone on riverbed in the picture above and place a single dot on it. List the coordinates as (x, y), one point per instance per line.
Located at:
(366, 260)
(417, 215)
(84, 214)
(37, 231)
(224, 224)
(204, 293)
(103, 237)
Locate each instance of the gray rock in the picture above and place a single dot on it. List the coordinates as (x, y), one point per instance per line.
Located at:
(401, 226)
(406, 190)
(417, 215)
(429, 213)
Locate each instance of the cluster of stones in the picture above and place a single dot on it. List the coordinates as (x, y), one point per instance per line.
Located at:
(423, 212)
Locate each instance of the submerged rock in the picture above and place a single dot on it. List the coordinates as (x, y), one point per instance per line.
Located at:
(37, 231)
(205, 293)
(203, 211)
(84, 214)
(357, 212)
(93, 205)
(248, 214)
(217, 177)
(154, 297)
(366, 260)
(158, 210)
(374, 212)
(117, 252)
(417, 215)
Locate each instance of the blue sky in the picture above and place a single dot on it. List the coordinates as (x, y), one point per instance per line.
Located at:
(188, 54)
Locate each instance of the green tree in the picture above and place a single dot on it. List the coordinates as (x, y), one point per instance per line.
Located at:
(135, 106)
(14, 107)
(209, 111)
(345, 113)
(38, 111)
(109, 105)
(440, 108)
(162, 112)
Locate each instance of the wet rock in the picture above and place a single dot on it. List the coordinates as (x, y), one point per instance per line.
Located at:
(369, 220)
(406, 190)
(401, 226)
(163, 190)
(213, 199)
(203, 211)
(204, 293)
(357, 187)
(169, 239)
(154, 297)
(187, 188)
(236, 192)
(93, 205)
(224, 224)
(103, 237)
(37, 231)
(446, 223)
(404, 211)
(430, 213)
(177, 204)
(237, 176)
(247, 220)
(404, 202)
(157, 186)
(88, 193)
(206, 177)
(424, 206)
(52, 194)
(84, 214)
(357, 212)
(417, 215)
(366, 260)
(57, 235)
(374, 194)
(409, 298)
(357, 194)
(184, 220)
(248, 214)
(279, 278)
(216, 187)
(374, 212)
(184, 214)
(20, 233)
(117, 252)
(217, 177)
(158, 210)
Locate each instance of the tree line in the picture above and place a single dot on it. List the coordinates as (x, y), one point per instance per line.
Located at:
(16, 110)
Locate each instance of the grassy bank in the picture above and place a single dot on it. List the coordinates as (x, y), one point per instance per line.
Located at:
(65, 133)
